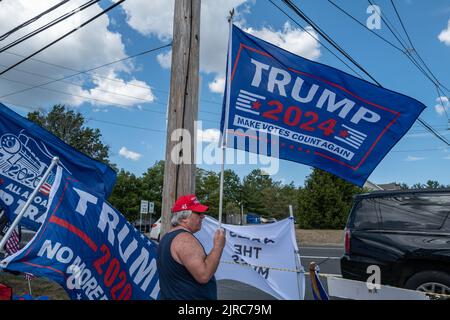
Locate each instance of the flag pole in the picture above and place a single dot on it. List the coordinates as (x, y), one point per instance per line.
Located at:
(225, 123)
(299, 267)
(54, 162)
(29, 285)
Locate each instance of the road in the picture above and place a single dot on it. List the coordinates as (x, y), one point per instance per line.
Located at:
(326, 257)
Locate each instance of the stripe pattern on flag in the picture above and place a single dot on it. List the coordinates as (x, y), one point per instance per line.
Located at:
(47, 186)
(249, 102)
(12, 244)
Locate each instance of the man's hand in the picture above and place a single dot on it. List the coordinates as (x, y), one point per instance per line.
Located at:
(219, 239)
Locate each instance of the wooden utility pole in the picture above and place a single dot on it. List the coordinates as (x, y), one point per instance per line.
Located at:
(179, 170)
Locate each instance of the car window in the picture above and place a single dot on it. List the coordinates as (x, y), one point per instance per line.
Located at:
(414, 212)
(366, 215)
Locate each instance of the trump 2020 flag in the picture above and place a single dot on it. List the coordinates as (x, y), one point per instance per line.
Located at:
(89, 248)
(26, 151)
(263, 256)
(289, 107)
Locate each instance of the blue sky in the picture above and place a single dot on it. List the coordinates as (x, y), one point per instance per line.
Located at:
(127, 101)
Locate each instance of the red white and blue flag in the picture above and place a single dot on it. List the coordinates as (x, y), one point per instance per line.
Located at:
(89, 248)
(281, 105)
(47, 185)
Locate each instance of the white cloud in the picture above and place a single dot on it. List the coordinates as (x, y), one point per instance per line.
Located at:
(208, 135)
(118, 93)
(88, 47)
(153, 17)
(128, 154)
(291, 39)
(218, 85)
(165, 59)
(442, 106)
(214, 31)
(444, 36)
(412, 158)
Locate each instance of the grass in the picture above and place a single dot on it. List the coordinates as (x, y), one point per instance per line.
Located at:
(39, 286)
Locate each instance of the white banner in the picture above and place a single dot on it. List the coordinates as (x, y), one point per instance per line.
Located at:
(263, 256)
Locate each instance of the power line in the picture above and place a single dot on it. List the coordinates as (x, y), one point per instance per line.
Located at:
(91, 69)
(336, 46)
(438, 83)
(406, 51)
(49, 25)
(306, 30)
(10, 32)
(88, 72)
(100, 100)
(64, 36)
(364, 26)
(102, 121)
(302, 15)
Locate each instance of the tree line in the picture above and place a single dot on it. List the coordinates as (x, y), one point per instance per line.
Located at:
(323, 202)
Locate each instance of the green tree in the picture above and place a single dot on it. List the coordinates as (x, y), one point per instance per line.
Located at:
(207, 190)
(325, 201)
(68, 125)
(257, 193)
(127, 194)
(152, 186)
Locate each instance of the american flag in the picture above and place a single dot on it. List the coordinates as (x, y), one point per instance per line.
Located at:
(46, 187)
(12, 244)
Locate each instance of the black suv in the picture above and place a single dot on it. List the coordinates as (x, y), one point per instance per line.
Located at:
(406, 233)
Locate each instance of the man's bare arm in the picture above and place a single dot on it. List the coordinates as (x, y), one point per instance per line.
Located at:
(188, 251)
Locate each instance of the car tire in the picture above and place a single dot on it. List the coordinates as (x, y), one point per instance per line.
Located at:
(423, 281)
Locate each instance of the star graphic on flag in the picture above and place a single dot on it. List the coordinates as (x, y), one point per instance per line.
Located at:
(343, 134)
(78, 296)
(256, 105)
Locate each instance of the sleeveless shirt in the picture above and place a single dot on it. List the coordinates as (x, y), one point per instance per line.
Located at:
(175, 281)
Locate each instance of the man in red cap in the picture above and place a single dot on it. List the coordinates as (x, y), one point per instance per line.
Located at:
(186, 272)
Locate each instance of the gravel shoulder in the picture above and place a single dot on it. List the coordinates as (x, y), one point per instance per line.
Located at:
(319, 237)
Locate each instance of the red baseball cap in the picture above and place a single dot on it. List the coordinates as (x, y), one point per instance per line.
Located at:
(189, 202)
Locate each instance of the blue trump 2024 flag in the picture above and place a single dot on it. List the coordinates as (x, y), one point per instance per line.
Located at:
(89, 248)
(289, 107)
(26, 150)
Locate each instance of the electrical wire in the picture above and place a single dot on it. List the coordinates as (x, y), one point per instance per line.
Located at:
(88, 73)
(48, 25)
(404, 51)
(307, 31)
(26, 23)
(91, 69)
(64, 36)
(302, 15)
(337, 47)
(102, 121)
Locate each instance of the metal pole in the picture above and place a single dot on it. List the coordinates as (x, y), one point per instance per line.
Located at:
(29, 285)
(28, 203)
(298, 264)
(140, 225)
(227, 108)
